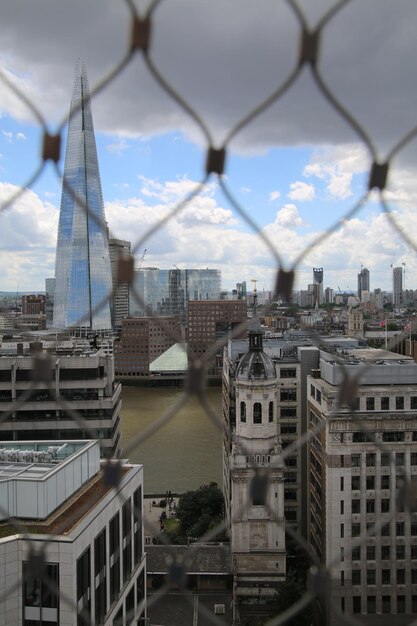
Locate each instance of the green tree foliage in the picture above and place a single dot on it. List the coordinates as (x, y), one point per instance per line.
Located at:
(288, 593)
(200, 510)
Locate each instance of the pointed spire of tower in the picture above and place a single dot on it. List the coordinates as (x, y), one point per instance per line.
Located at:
(82, 268)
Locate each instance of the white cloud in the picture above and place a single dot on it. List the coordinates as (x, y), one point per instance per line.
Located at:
(20, 136)
(336, 167)
(274, 195)
(8, 135)
(245, 189)
(302, 191)
(118, 147)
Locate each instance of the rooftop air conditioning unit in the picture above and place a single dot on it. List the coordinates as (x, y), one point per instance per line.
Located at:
(219, 609)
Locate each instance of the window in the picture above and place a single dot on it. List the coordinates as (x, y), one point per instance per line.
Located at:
(385, 403)
(400, 459)
(342, 578)
(414, 576)
(38, 591)
(356, 460)
(400, 551)
(413, 529)
(385, 530)
(288, 395)
(385, 459)
(342, 483)
(385, 552)
(127, 540)
(312, 391)
(356, 604)
(342, 553)
(100, 576)
(271, 412)
(370, 577)
(84, 588)
(342, 530)
(393, 435)
(356, 506)
(370, 459)
(400, 576)
(385, 505)
(130, 605)
(288, 429)
(400, 529)
(342, 507)
(356, 530)
(414, 551)
(400, 604)
(370, 482)
(386, 604)
(118, 618)
(288, 373)
(318, 396)
(137, 526)
(370, 506)
(114, 547)
(386, 576)
(370, 553)
(413, 458)
(356, 482)
(370, 404)
(371, 604)
(385, 481)
(356, 577)
(243, 412)
(257, 413)
(356, 553)
(413, 402)
(140, 588)
(288, 411)
(399, 403)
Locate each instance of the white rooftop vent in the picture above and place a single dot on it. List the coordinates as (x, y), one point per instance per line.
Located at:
(219, 609)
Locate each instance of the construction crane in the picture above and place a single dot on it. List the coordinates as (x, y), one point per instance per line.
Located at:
(141, 260)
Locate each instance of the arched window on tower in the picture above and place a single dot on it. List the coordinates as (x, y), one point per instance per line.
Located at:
(243, 411)
(257, 413)
(271, 412)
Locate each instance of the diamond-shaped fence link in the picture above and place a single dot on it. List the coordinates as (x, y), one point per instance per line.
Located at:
(139, 43)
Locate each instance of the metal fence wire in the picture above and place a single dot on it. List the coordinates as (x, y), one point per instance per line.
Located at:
(139, 44)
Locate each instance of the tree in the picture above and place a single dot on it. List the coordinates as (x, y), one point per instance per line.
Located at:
(200, 510)
(288, 593)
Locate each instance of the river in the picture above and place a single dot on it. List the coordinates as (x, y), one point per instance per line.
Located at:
(186, 452)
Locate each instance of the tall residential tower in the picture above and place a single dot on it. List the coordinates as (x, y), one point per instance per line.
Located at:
(82, 271)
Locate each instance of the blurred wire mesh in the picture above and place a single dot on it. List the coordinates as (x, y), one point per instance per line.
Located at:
(139, 43)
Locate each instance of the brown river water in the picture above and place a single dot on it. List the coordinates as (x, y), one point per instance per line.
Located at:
(184, 453)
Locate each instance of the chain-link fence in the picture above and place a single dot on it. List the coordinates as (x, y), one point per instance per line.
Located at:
(139, 44)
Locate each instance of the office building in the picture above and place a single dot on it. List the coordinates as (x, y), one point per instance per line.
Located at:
(363, 282)
(359, 459)
(82, 379)
(83, 280)
(89, 533)
(318, 285)
(142, 341)
(33, 304)
(208, 322)
(49, 300)
(167, 292)
(329, 295)
(118, 249)
(397, 287)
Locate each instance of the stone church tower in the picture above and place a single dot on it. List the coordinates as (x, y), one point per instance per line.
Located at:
(257, 523)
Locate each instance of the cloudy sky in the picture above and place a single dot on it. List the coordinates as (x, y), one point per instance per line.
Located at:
(296, 170)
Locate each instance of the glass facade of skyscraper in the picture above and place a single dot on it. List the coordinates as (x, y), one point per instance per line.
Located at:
(82, 271)
(166, 292)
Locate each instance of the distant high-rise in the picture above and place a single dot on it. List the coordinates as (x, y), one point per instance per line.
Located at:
(363, 282)
(397, 287)
(318, 285)
(82, 270)
(120, 301)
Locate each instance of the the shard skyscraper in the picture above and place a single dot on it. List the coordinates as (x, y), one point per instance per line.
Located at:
(82, 268)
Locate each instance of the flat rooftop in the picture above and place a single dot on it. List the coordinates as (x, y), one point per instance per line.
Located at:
(30, 459)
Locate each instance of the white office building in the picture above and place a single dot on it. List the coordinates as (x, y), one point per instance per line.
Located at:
(73, 552)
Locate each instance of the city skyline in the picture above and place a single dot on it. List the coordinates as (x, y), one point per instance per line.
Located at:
(295, 173)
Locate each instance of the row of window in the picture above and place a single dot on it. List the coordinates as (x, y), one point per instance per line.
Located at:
(386, 604)
(387, 577)
(385, 552)
(386, 458)
(256, 412)
(385, 403)
(385, 529)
